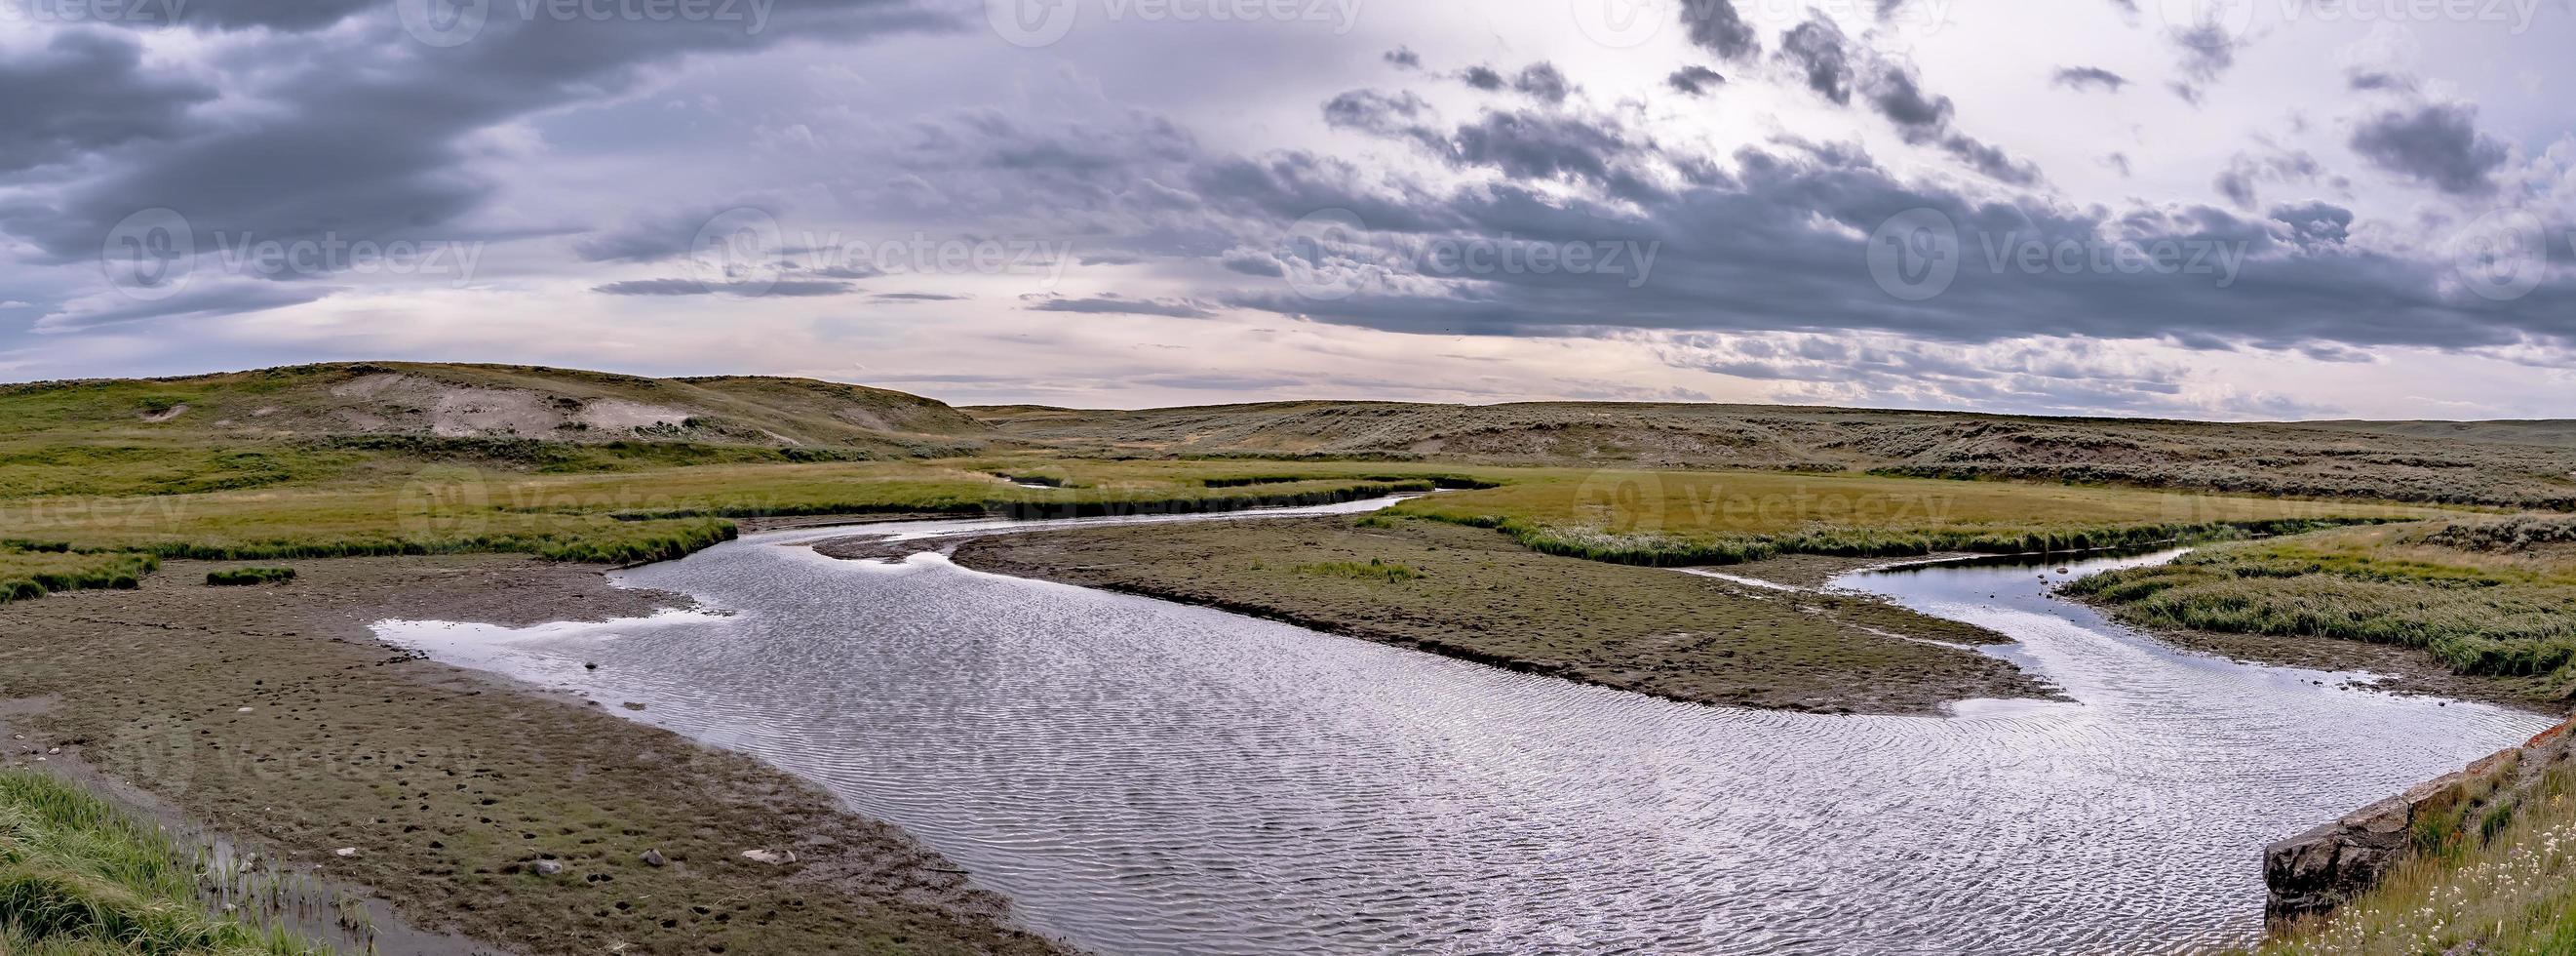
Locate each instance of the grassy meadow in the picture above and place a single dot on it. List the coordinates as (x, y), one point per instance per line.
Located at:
(1708, 517)
(2484, 596)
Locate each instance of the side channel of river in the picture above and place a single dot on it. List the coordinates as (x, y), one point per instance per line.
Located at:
(1146, 777)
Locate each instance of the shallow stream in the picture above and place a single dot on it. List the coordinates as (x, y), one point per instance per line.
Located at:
(1146, 777)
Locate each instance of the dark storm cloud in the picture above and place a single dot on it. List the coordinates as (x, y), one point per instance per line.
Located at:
(1542, 81)
(1716, 27)
(2089, 78)
(915, 297)
(359, 134)
(1482, 77)
(203, 299)
(2437, 143)
(1403, 58)
(1782, 245)
(2369, 80)
(2207, 52)
(1252, 262)
(1111, 303)
(651, 236)
(2244, 171)
(1694, 80)
(86, 90)
(2315, 223)
(1817, 50)
(287, 16)
(795, 288)
(1836, 68)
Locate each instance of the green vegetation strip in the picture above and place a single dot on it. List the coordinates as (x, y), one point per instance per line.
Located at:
(80, 878)
(237, 576)
(2478, 612)
(1670, 551)
(33, 573)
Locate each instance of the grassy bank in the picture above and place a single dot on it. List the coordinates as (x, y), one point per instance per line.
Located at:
(80, 878)
(2496, 876)
(1475, 595)
(1684, 518)
(2487, 597)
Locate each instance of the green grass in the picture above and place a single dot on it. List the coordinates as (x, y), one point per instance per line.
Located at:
(250, 576)
(27, 573)
(1685, 518)
(77, 876)
(1373, 569)
(2485, 612)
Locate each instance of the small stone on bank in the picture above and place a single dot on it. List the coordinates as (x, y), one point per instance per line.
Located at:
(345, 852)
(653, 858)
(549, 868)
(771, 857)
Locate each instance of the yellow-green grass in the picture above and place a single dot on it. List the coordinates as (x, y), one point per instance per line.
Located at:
(2500, 885)
(28, 573)
(2505, 612)
(77, 876)
(1702, 517)
(652, 514)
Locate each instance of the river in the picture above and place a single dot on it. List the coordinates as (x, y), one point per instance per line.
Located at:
(1145, 777)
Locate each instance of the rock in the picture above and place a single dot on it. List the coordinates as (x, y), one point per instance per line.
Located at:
(631, 705)
(345, 852)
(53, 750)
(654, 858)
(771, 857)
(549, 868)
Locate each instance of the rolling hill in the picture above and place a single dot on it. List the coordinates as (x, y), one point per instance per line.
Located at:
(2488, 463)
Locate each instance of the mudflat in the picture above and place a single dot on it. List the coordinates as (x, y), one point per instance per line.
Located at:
(1475, 594)
(272, 715)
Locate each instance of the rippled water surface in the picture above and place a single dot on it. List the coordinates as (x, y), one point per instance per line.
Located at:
(1147, 777)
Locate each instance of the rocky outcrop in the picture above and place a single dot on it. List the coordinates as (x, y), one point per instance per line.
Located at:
(2312, 873)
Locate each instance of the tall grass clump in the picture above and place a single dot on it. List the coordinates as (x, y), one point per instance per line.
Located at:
(29, 574)
(77, 876)
(250, 576)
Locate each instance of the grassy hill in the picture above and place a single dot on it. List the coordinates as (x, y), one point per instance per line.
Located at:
(315, 422)
(2513, 464)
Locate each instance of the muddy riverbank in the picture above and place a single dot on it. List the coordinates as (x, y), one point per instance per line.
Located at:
(272, 714)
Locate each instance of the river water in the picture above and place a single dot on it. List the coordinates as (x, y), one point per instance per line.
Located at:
(1145, 777)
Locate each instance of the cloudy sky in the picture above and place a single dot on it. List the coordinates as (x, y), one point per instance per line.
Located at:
(2204, 208)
